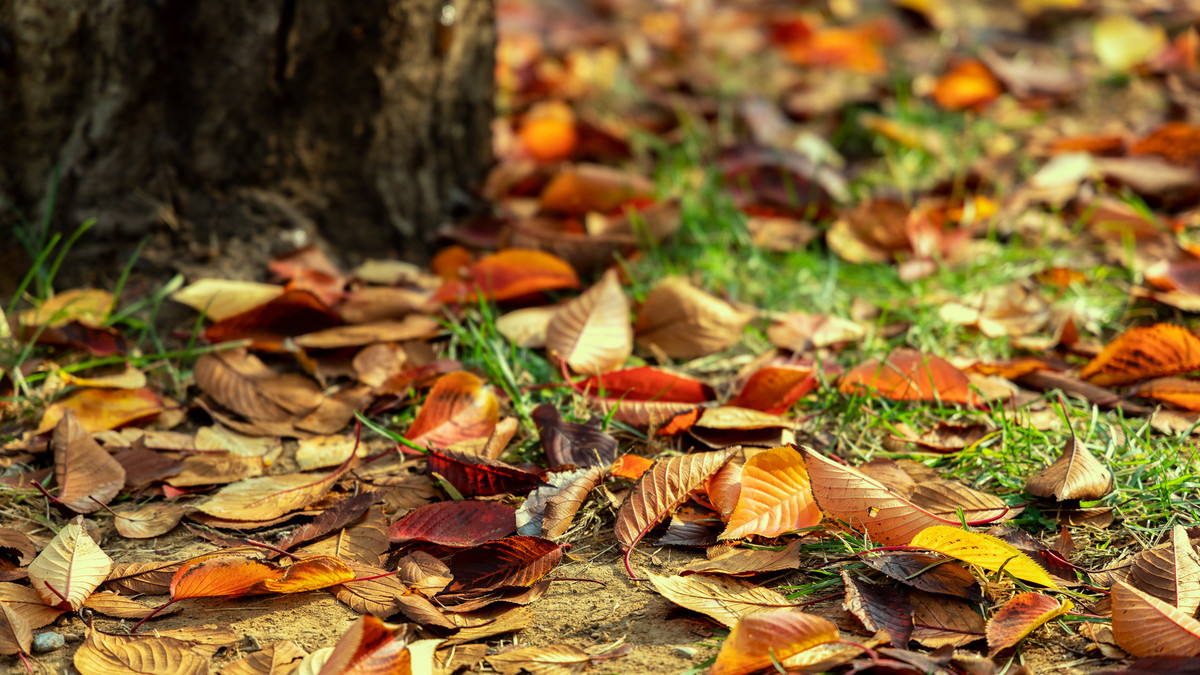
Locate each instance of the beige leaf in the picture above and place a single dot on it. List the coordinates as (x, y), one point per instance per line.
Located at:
(686, 323)
(320, 452)
(724, 599)
(863, 503)
(1076, 474)
(220, 299)
(280, 658)
(800, 332)
(25, 601)
(946, 498)
(15, 634)
(549, 660)
(119, 606)
(1143, 625)
(150, 520)
(592, 333)
(103, 654)
(70, 567)
(411, 327)
(1170, 572)
(267, 497)
(527, 327)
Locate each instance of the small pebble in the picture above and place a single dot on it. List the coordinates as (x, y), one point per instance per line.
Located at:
(48, 642)
(686, 652)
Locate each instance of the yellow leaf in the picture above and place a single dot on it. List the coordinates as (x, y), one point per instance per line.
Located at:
(983, 550)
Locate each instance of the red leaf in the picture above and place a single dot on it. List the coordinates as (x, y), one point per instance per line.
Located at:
(774, 389)
(644, 395)
(478, 476)
(462, 523)
(510, 274)
(515, 561)
(459, 407)
(294, 313)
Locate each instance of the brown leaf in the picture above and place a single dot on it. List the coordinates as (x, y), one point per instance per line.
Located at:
(364, 541)
(1143, 625)
(946, 498)
(88, 477)
(103, 654)
(572, 443)
(549, 660)
(119, 606)
(879, 607)
(759, 640)
(941, 620)
(864, 504)
(1076, 474)
(562, 507)
(17, 543)
(16, 635)
(1170, 572)
(687, 323)
(660, 490)
(927, 572)
(143, 578)
(235, 378)
(26, 602)
(267, 497)
(592, 333)
(411, 327)
(802, 333)
(101, 409)
(150, 520)
(69, 568)
(280, 658)
(1019, 617)
(1142, 353)
(738, 562)
(724, 599)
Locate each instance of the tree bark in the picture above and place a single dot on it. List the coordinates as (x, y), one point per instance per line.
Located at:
(364, 120)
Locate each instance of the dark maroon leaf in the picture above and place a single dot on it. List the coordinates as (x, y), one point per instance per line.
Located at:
(338, 515)
(461, 523)
(515, 561)
(573, 443)
(689, 533)
(880, 607)
(478, 476)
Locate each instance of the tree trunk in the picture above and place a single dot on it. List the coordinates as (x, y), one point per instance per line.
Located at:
(195, 121)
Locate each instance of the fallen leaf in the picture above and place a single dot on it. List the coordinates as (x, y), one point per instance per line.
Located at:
(72, 566)
(1142, 353)
(308, 574)
(1143, 625)
(1076, 474)
(88, 477)
(592, 187)
(526, 327)
(1121, 42)
(101, 409)
(660, 490)
(549, 660)
(16, 635)
(1178, 391)
(508, 275)
(478, 476)
(103, 654)
(1170, 572)
(219, 299)
(736, 561)
(460, 406)
(775, 497)
(241, 382)
(803, 333)
(759, 640)
(862, 503)
(411, 327)
(879, 607)
(774, 389)
(940, 620)
(148, 521)
(968, 86)
(591, 333)
(455, 523)
(571, 443)
(724, 599)
(270, 324)
(280, 658)
(644, 395)
(1020, 616)
(686, 323)
(908, 375)
(267, 497)
(221, 575)
(26, 602)
(369, 646)
(513, 561)
(562, 507)
(983, 550)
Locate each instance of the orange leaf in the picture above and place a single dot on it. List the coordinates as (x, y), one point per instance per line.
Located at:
(512, 561)
(459, 407)
(863, 503)
(660, 490)
(509, 274)
(1021, 616)
(908, 375)
(854, 49)
(1145, 352)
(88, 477)
(775, 496)
(591, 187)
(368, 646)
(102, 409)
(969, 85)
(1178, 391)
(630, 466)
(1146, 626)
(774, 389)
(592, 333)
(759, 637)
(309, 574)
(221, 575)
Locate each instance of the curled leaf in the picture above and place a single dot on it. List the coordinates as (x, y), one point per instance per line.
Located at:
(591, 333)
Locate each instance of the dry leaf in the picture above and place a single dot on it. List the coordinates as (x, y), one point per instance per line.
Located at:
(103, 654)
(549, 660)
(280, 658)
(1076, 474)
(759, 640)
(775, 496)
(1145, 626)
(88, 477)
(1170, 572)
(591, 333)
(149, 521)
(1020, 616)
(724, 599)
(16, 636)
(70, 567)
(267, 497)
(686, 323)
(220, 299)
(983, 550)
(1142, 353)
(940, 620)
(460, 406)
(660, 490)
(879, 607)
